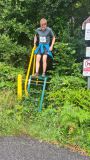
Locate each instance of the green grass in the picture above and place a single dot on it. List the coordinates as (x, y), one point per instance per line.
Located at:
(62, 126)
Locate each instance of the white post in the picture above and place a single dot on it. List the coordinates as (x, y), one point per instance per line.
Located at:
(86, 67)
(88, 86)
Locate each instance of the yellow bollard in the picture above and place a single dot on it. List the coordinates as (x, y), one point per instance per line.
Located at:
(19, 87)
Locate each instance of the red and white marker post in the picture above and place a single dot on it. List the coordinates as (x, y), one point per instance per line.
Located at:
(86, 62)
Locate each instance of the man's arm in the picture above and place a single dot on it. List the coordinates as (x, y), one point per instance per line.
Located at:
(52, 44)
(35, 40)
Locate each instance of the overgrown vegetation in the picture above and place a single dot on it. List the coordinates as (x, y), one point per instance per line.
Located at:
(65, 118)
(64, 122)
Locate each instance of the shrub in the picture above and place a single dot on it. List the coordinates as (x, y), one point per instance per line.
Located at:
(68, 89)
(8, 75)
(11, 52)
(65, 60)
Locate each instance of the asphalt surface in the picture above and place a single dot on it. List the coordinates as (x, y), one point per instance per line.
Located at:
(23, 148)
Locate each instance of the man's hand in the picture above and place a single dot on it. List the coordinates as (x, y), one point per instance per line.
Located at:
(53, 41)
(34, 44)
(51, 48)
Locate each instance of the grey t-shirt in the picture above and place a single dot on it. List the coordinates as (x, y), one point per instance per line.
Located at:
(44, 36)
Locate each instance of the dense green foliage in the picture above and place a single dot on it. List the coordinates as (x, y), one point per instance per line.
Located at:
(66, 110)
(19, 18)
(8, 76)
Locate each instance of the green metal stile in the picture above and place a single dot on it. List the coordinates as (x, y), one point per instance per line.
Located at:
(42, 96)
(37, 81)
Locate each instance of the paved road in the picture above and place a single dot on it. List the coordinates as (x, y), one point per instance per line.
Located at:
(22, 148)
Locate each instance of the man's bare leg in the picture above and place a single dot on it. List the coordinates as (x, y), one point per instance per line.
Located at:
(44, 63)
(38, 58)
